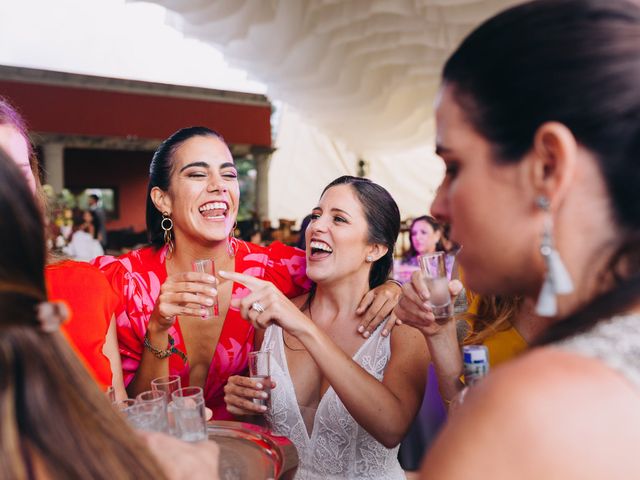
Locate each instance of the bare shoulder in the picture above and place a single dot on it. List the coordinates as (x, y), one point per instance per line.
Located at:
(547, 414)
(405, 337)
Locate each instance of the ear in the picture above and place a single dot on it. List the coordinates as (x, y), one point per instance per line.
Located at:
(554, 159)
(377, 251)
(161, 199)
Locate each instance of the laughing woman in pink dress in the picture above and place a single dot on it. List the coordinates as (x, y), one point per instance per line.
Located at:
(192, 204)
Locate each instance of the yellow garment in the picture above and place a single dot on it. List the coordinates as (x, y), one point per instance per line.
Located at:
(503, 345)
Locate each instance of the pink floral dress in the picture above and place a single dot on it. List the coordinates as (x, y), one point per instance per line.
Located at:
(137, 276)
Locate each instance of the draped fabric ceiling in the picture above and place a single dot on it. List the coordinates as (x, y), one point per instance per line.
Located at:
(358, 78)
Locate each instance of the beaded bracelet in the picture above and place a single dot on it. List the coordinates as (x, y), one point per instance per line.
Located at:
(162, 354)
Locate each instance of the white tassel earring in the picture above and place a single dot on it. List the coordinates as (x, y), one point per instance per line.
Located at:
(557, 280)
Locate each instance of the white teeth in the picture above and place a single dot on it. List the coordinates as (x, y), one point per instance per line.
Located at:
(213, 206)
(321, 246)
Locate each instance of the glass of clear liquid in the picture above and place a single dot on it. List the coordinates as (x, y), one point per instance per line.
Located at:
(434, 269)
(206, 265)
(260, 370)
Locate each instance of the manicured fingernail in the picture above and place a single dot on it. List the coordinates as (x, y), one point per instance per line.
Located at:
(385, 332)
(263, 408)
(258, 385)
(366, 334)
(360, 329)
(264, 395)
(209, 301)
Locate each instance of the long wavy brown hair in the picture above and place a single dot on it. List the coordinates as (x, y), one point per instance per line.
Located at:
(494, 313)
(51, 413)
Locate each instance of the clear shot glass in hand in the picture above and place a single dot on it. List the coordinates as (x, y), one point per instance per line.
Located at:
(206, 265)
(434, 269)
(260, 370)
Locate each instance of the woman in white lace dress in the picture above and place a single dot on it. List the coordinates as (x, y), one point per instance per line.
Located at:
(538, 122)
(345, 402)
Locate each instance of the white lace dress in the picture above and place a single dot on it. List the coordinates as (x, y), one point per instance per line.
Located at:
(338, 448)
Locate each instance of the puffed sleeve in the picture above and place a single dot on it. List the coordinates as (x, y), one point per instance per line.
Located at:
(136, 293)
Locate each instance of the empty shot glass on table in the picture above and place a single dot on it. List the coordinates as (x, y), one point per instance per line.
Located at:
(206, 265)
(168, 384)
(188, 409)
(150, 411)
(433, 266)
(260, 370)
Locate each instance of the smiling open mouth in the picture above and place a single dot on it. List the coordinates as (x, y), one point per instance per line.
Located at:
(319, 249)
(214, 210)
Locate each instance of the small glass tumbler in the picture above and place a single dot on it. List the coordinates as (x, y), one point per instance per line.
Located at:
(168, 384)
(188, 410)
(155, 401)
(260, 370)
(434, 269)
(206, 265)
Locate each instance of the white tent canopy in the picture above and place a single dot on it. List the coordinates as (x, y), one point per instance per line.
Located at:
(361, 76)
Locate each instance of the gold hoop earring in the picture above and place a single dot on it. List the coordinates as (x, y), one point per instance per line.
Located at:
(167, 225)
(232, 243)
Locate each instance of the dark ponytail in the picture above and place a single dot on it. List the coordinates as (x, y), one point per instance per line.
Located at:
(575, 62)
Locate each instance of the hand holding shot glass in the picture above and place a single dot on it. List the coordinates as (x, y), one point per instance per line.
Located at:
(207, 266)
(260, 370)
(434, 270)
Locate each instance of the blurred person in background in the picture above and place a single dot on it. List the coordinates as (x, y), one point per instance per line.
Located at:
(99, 219)
(424, 234)
(83, 245)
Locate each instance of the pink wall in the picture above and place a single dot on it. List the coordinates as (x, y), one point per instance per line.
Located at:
(127, 171)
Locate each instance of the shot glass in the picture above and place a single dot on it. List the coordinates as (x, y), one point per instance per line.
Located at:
(188, 410)
(434, 269)
(145, 417)
(154, 403)
(206, 265)
(260, 370)
(168, 384)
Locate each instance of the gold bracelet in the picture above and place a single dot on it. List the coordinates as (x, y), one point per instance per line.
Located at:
(162, 354)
